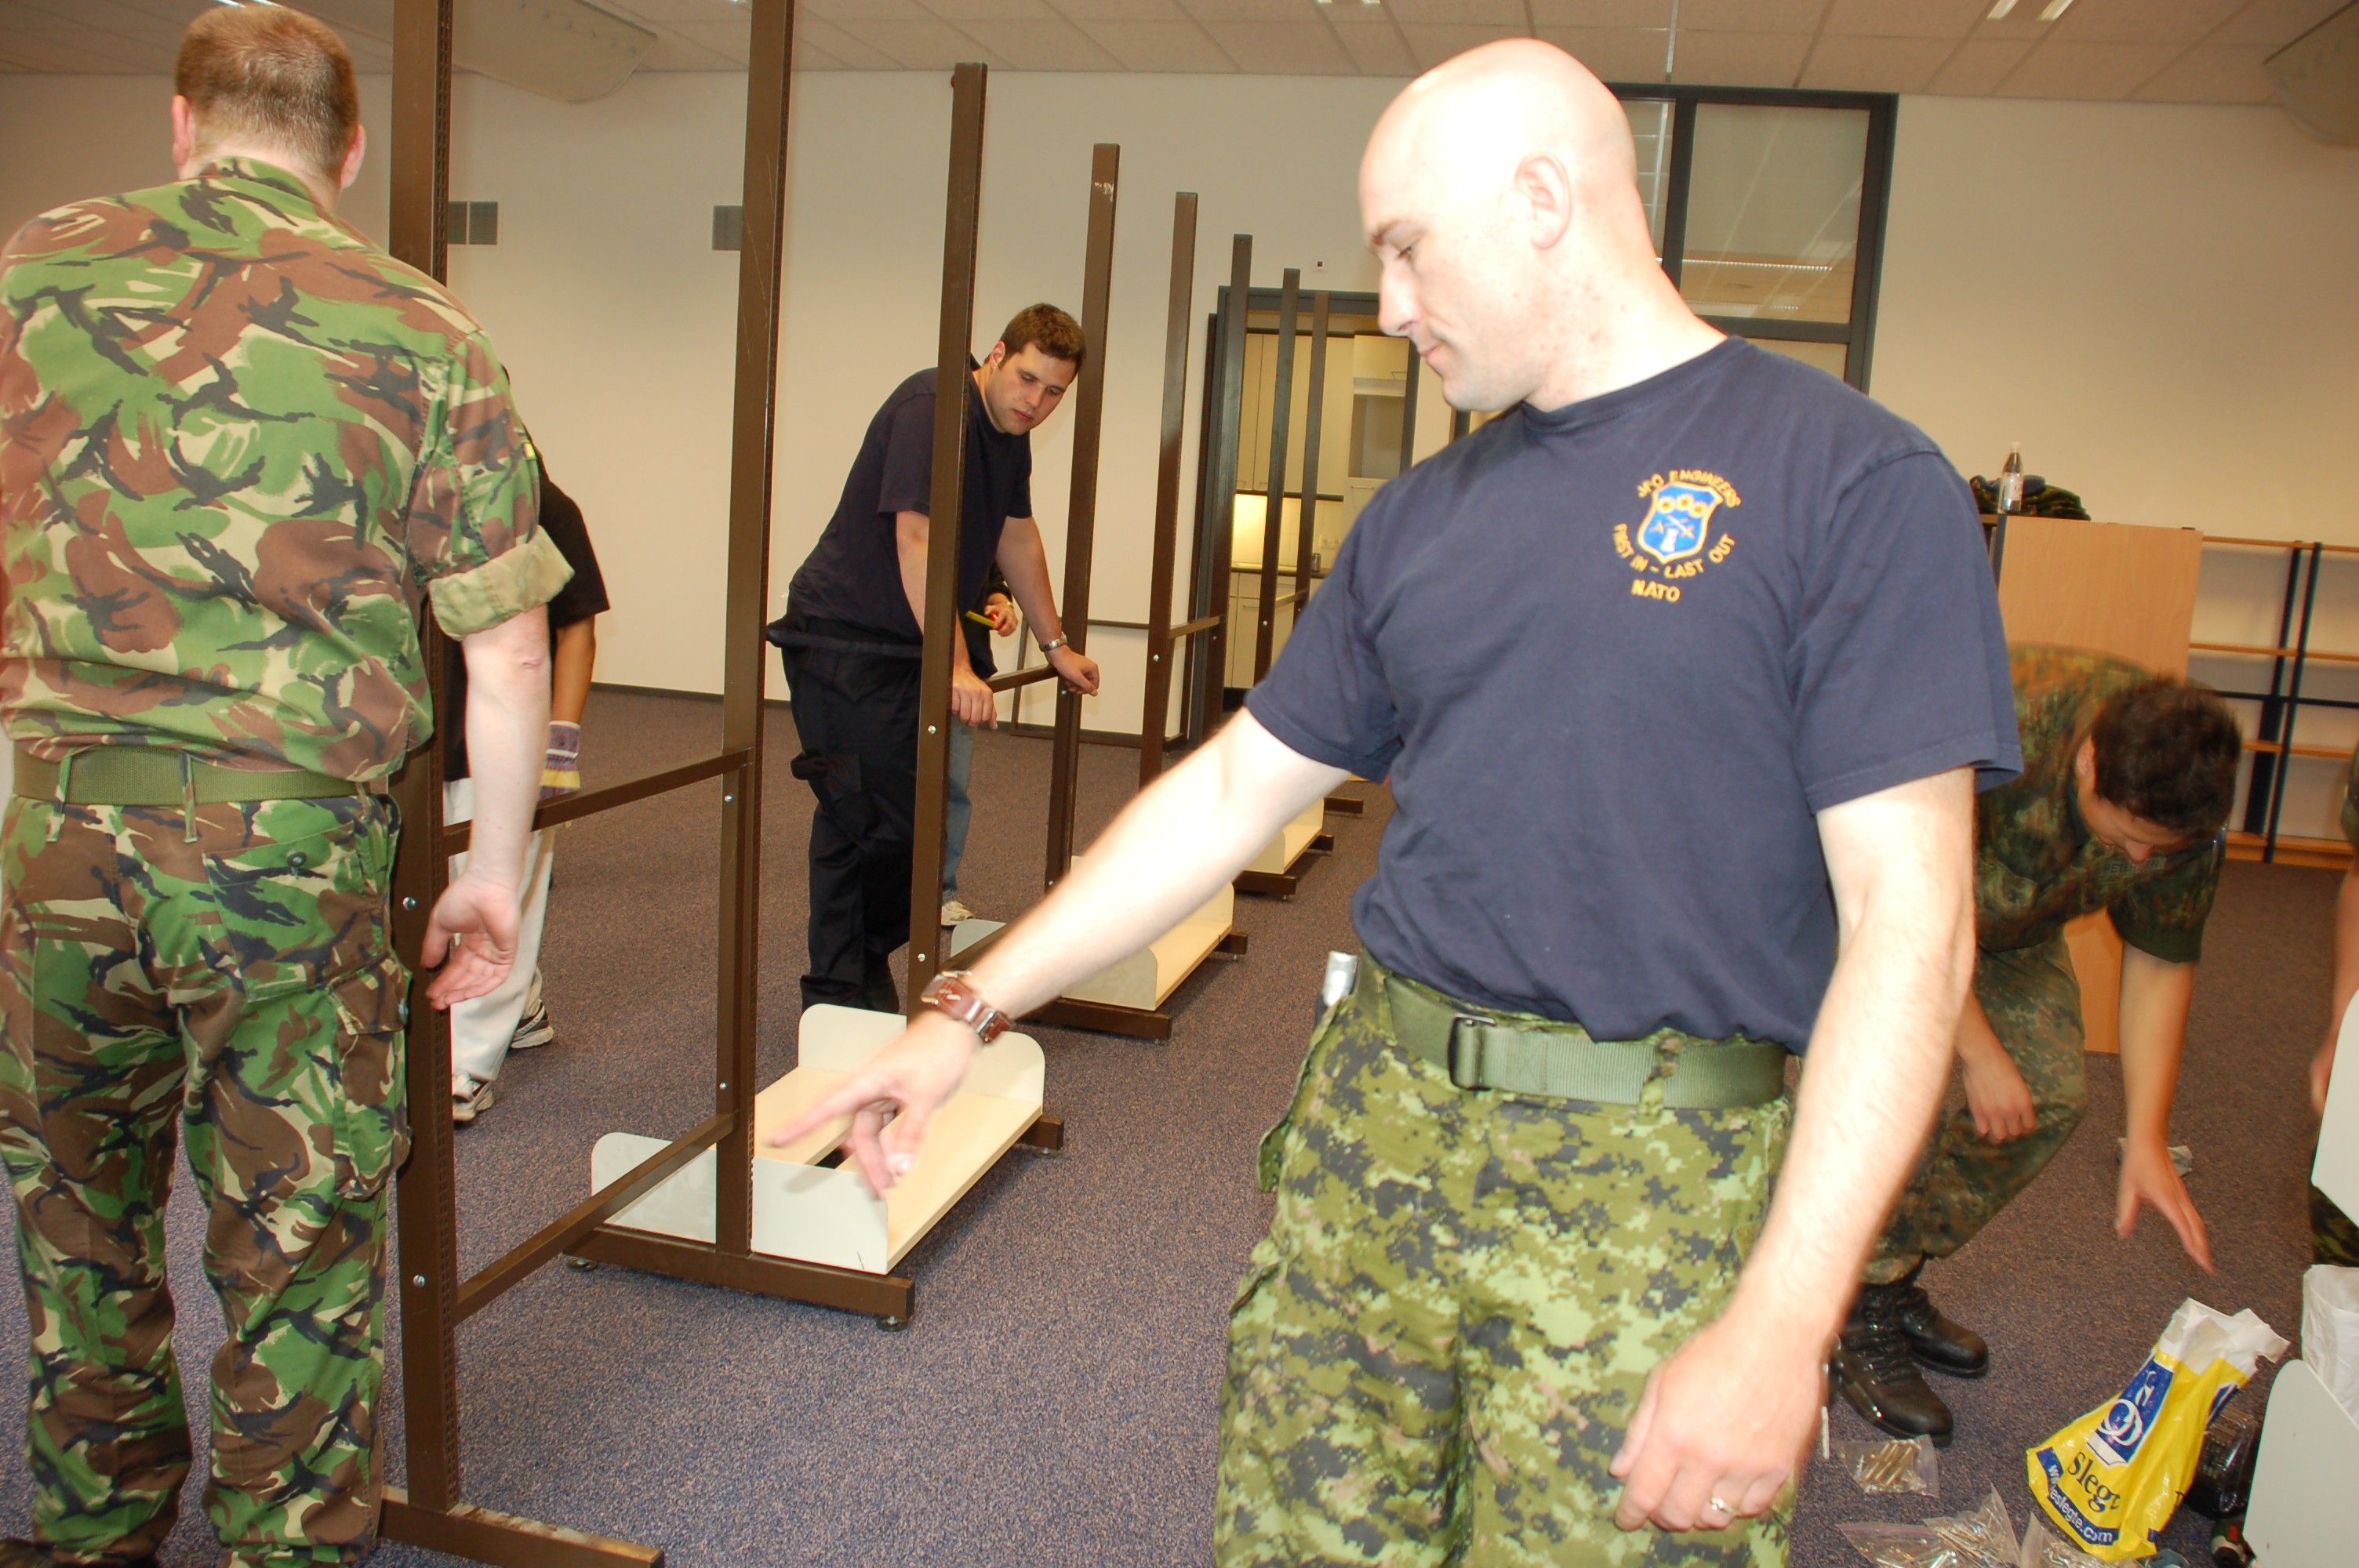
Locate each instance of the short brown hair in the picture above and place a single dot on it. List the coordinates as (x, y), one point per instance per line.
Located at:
(1050, 330)
(271, 73)
(2167, 750)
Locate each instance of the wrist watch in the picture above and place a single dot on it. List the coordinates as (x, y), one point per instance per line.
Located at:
(1054, 644)
(949, 994)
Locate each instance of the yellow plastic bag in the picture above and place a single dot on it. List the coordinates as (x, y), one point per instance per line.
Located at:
(2112, 1479)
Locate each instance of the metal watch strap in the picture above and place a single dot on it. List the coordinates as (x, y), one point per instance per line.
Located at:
(1052, 646)
(949, 994)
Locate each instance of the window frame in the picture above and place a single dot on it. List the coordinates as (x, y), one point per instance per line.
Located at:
(1857, 335)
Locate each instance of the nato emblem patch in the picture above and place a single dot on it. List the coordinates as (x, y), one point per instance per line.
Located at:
(1677, 521)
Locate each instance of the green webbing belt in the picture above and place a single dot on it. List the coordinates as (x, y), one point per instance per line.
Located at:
(1527, 1055)
(149, 776)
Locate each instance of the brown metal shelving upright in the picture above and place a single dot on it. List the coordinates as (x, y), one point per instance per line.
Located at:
(2272, 746)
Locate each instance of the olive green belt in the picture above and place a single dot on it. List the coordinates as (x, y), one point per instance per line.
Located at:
(1559, 1061)
(149, 776)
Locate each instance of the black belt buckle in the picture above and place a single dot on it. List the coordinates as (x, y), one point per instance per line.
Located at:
(1464, 1050)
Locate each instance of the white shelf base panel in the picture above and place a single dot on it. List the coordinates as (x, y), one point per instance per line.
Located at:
(1280, 854)
(1145, 979)
(826, 1214)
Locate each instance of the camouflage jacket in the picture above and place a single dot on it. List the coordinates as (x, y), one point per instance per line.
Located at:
(2037, 865)
(238, 445)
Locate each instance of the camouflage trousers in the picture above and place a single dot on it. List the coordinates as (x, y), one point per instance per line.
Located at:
(1438, 1347)
(224, 978)
(2033, 1002)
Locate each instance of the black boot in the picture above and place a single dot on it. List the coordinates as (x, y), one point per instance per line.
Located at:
(1879, 1375)
(1935, 1341)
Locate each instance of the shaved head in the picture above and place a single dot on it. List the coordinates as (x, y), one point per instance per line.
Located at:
(1500, 194)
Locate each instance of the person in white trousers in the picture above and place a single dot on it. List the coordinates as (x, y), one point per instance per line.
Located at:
(514, 1017)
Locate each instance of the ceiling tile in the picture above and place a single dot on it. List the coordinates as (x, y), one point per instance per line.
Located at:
(1295, 12)
(671, 51)
(1180, 46)
(732, 41)
(2213, 73)
(86, 16)
(2140, 21)
(989, 10)
(809, 58)
(664, 12)
(863, 11)
(369, 55)
(1908, 18)
(1121, 10)
(2275, 23)
(2065, 69)
(832, 37)
(1614, 54)
(1284, 49)
(1739, 59)
(1432, 45)
(921, 46)
(1603, 14)
(1053, 44)
(1372, 42)
(1752, 15)
(1875, 65)
(57, 52)
(1977, 66)
(1459, 12)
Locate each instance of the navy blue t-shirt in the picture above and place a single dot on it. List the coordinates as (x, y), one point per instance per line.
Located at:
(853, 573)
(1614, 657)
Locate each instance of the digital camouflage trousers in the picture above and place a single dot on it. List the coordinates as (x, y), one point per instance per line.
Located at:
(2033, 1002)
(1436, 1350)
(222, 977)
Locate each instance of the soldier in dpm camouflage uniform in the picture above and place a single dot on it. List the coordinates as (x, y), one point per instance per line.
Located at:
(239, 445)
(2127, 778)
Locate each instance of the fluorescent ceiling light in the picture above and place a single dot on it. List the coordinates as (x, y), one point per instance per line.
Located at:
(2053, 9)
(1998, 12)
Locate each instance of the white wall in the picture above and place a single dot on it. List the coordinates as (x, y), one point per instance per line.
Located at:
(2161, 303)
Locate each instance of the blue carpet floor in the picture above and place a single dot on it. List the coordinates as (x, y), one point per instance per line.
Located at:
(1054, 1400)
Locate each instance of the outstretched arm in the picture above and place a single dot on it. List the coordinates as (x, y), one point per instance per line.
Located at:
(970, 701)
(2154, 996)
(1163, 857)
(507, 733)
(1726, 1417)
(1025, 564)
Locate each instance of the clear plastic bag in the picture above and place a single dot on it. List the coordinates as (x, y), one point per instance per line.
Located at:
(2042, 1547)
(1902, 1546)
(1898, 1466)
(1983, 1537)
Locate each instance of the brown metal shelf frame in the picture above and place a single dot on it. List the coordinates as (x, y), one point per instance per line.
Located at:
(1162, 637)
(2272, 747)
(429, 1511)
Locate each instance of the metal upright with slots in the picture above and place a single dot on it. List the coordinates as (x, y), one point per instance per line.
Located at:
(718, 1170)
(1130, 997)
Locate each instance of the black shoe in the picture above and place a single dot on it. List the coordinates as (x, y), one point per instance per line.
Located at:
(1877, 1373)
(16, 1553)
(1933, 1339)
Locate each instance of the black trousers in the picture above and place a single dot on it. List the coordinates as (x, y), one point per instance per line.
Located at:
(856, 713)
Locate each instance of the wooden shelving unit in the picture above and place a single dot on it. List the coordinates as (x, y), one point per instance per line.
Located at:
(2272, 748)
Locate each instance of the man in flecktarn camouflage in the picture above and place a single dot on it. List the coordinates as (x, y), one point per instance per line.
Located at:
(239, 447)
